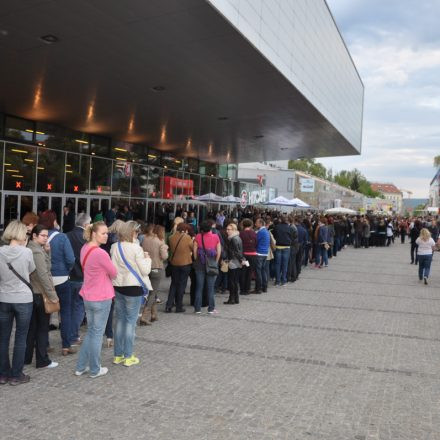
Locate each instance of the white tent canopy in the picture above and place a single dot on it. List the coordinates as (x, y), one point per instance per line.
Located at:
(279, 201)
(231, 199)
(210, 197)
(298, 203)
(340, 211)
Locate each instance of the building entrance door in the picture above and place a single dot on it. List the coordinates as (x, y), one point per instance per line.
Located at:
(15, 205)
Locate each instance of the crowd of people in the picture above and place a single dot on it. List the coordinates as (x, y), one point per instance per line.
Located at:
(112, 270)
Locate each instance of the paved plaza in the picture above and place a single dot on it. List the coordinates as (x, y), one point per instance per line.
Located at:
(347, 352)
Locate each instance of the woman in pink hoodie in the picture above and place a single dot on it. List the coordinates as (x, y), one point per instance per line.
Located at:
(97, 292)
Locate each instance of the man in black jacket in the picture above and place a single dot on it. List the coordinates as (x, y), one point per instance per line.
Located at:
(284, 237)
(76, 275)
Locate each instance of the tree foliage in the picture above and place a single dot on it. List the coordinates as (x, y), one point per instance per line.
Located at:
(309, 166)
(437, 161)
(353, 179)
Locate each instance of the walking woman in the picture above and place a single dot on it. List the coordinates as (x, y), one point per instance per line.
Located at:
(181, 248)
(234, 253)
(62, 262)
(41, 281)
(97, 292)
(133, 266)
(15, 301)
(206, 247)
(154, 244)
(425, 249)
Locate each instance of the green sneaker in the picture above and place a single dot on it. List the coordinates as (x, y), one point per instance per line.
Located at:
(118, 360)
(132, 360)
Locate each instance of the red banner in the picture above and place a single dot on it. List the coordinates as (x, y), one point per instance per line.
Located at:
(171, 185)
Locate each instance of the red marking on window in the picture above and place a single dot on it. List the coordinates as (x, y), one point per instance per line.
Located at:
(75, 188)
(18, 185)
(49, 187)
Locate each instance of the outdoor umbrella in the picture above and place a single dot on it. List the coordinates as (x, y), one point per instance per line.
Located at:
(340, 211)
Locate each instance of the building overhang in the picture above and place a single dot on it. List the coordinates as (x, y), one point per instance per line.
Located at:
(174, 75)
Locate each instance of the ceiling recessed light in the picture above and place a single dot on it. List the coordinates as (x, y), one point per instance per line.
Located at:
(49, 39)
(4, 32)
(158, 88)
(222, 118)
(259, 136)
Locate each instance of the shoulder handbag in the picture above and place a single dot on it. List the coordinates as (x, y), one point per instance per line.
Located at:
(211, 265)
(134, 273)
(169, 265)
(49, 306)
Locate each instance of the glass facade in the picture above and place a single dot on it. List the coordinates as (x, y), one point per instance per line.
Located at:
(45, 167)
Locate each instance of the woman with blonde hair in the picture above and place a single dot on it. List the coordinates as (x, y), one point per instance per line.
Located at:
(154, 244)
(131, 283)
(97, 292)
(425, 249)
(234, 252)
(16, 301)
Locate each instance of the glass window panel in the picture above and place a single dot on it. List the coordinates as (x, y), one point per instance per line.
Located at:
(50, 170)
(11, 208)
(99, 146)
(53, 136)
(232, 171)
(211, 169)
(121, 178)
(154, 181)
(205, 185)
(192, 165)
(139, 181)
(196, 183)
(19, 167)
(223, 170)
(100, 176)
(154, 157)
(202, 167)
(171, 162)
(77, 173)
(1, 161)
(18, 128)
(26, 205)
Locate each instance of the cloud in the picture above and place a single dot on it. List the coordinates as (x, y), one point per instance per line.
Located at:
(396, 48)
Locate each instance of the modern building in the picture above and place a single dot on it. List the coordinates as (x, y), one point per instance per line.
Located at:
(146, 103)
(391, 193)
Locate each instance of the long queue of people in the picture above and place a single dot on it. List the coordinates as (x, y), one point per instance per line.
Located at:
(102, 273)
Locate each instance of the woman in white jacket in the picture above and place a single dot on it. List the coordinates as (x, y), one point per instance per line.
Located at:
(133, 265)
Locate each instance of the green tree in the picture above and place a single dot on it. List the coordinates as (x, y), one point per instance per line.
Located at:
(437, 161)
(309, 166)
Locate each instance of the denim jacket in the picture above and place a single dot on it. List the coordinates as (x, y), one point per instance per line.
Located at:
(62, 256)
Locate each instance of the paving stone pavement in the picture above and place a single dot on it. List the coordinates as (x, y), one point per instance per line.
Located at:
(347, 352)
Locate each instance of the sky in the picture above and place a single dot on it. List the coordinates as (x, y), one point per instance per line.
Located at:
(395, 45)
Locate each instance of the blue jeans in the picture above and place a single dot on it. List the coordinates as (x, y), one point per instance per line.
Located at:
(424, 265)
(126, 314)
(321, 255)
(261, 278)
(22, 314)
(78, 310)
(221, 282)
(90, 353)
(64, 293)
(282, 257)
(201, 276)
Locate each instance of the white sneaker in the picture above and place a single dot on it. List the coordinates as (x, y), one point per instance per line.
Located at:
(52, 365)
(80, 373)
(102, 372)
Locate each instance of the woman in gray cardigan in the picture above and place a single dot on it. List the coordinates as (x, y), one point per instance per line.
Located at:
(41, 281)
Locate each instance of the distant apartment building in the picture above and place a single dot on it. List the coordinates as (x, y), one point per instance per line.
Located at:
(318, 193)
(391, 193)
